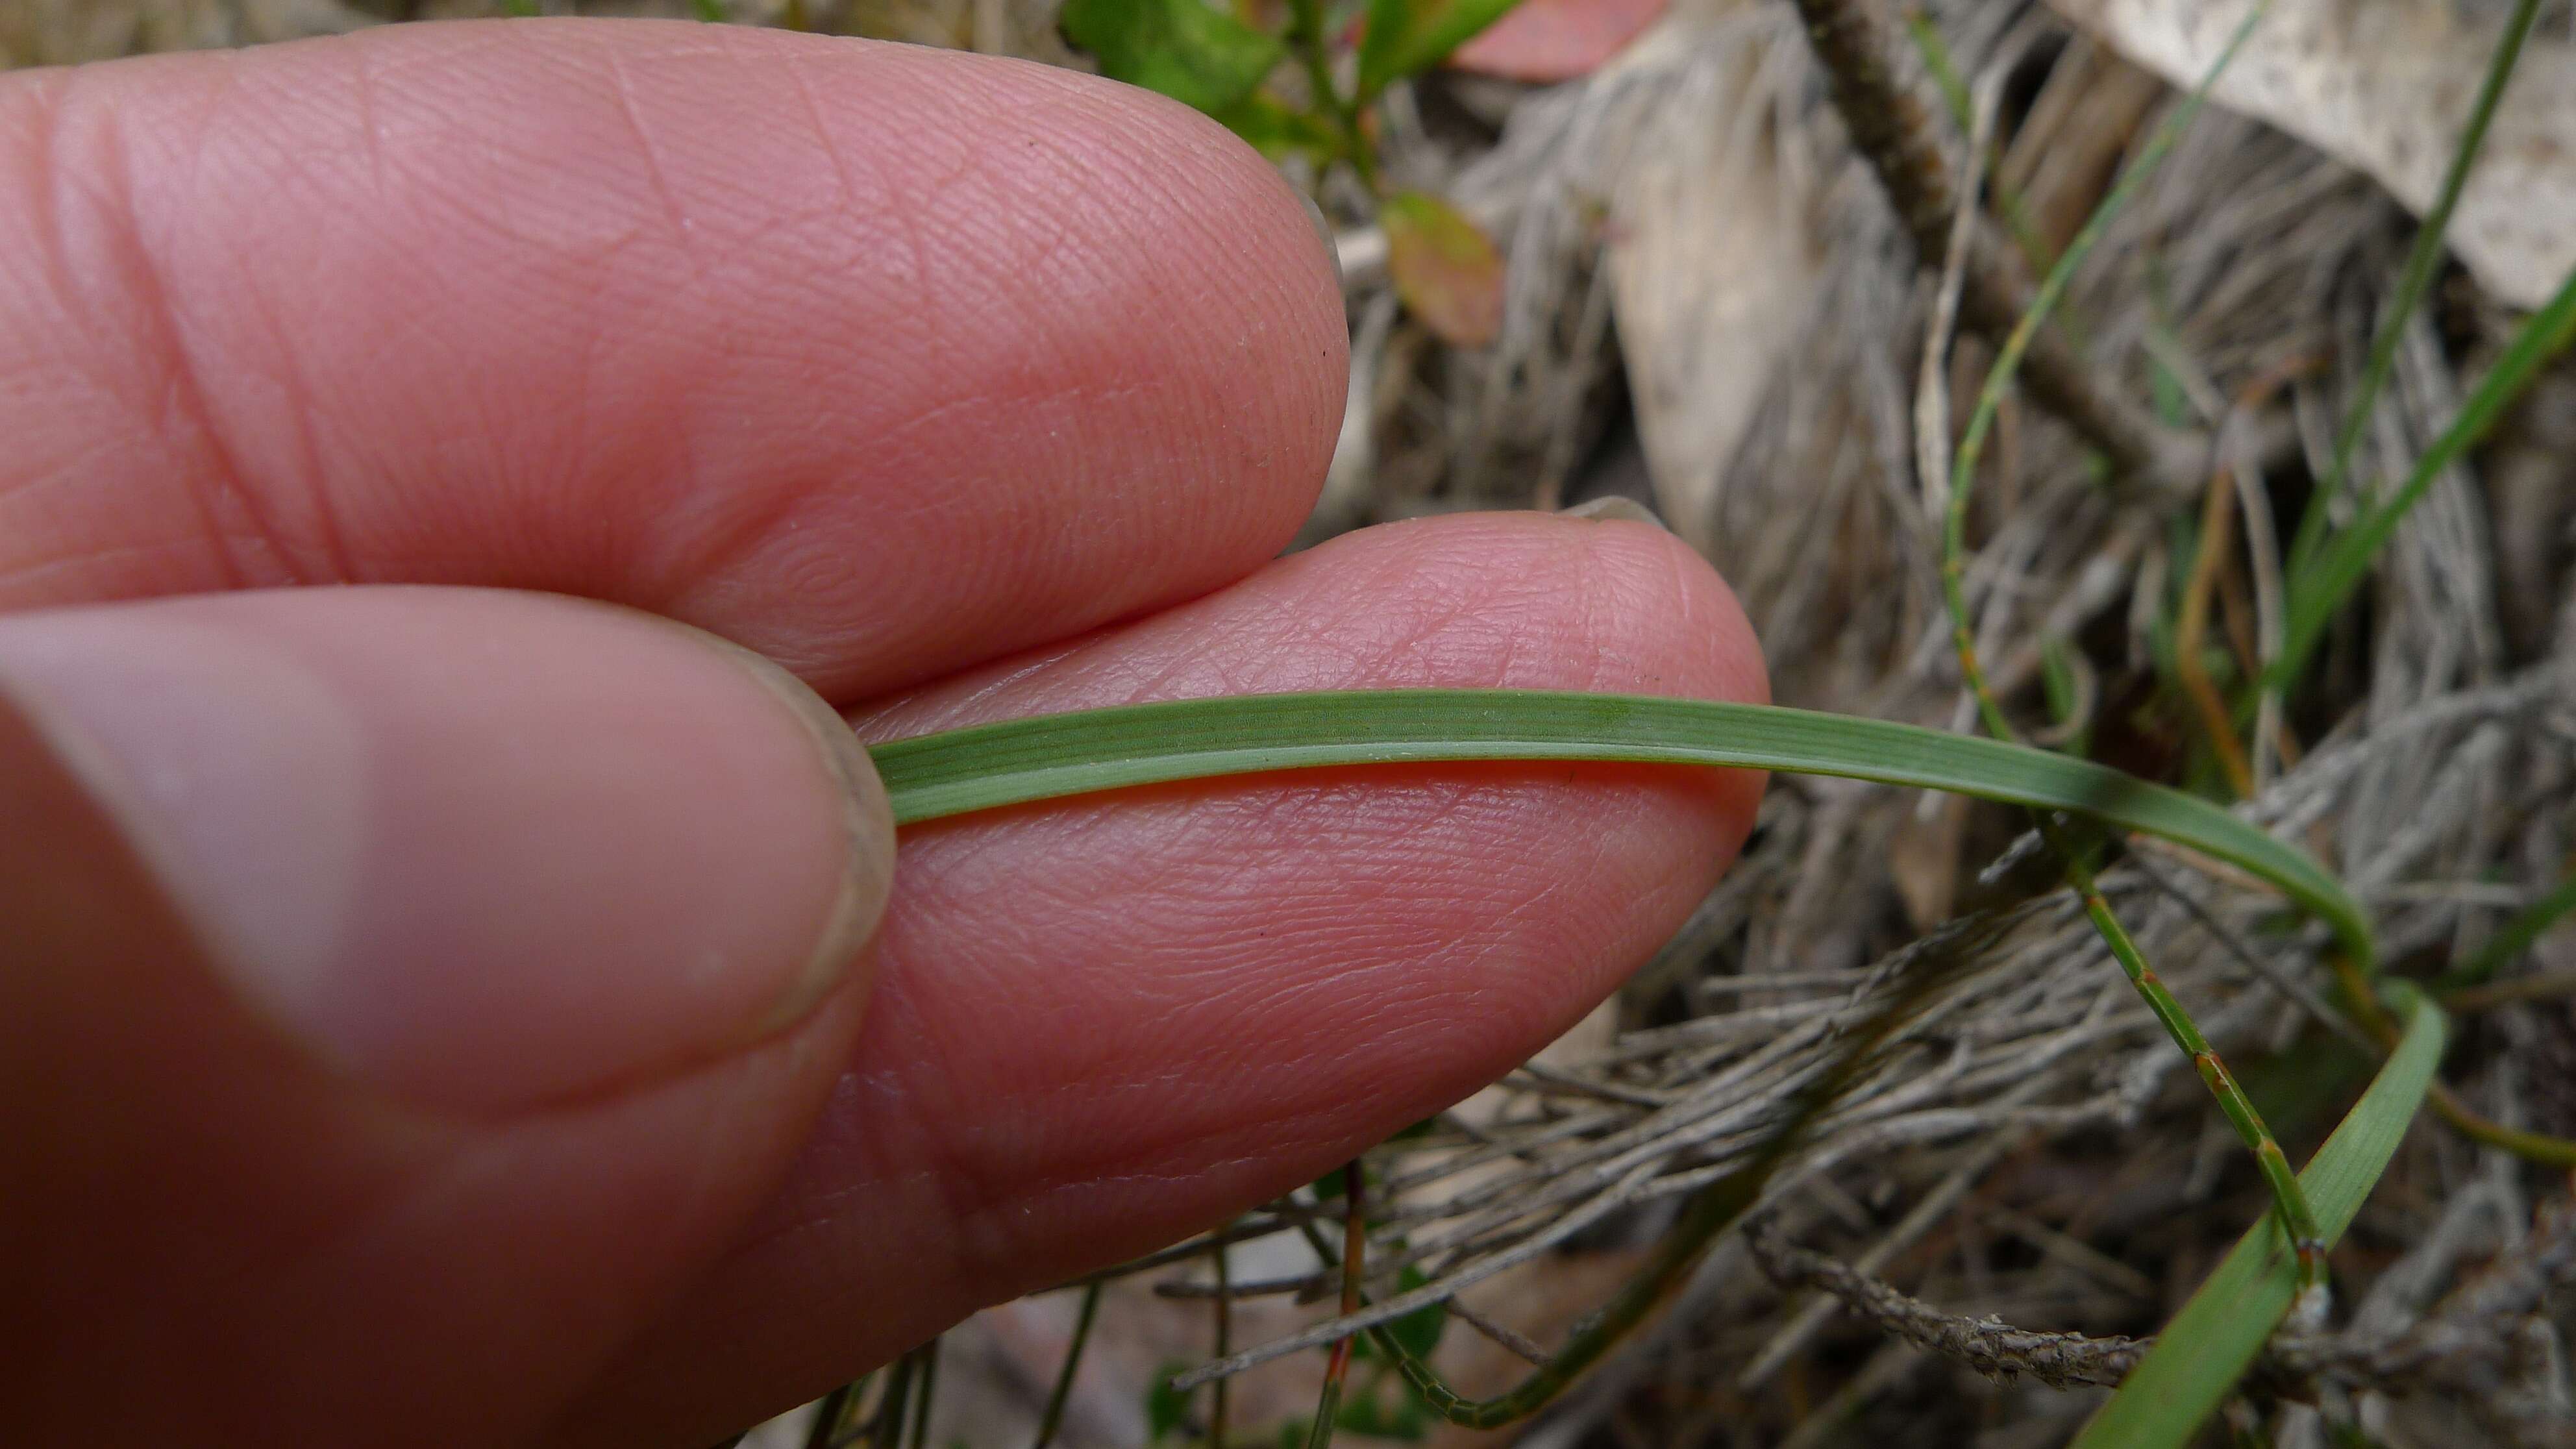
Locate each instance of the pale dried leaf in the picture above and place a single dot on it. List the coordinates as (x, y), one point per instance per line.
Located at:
(1712, 269)
(2385, 86)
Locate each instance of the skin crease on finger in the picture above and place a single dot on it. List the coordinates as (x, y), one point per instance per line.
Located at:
(653, 313)
(1100, 1025)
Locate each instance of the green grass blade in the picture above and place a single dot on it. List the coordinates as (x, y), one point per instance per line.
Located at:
(1018, 761)
(2317, 592)
(2421, 262)
(2516, 937)
(2209, 1345)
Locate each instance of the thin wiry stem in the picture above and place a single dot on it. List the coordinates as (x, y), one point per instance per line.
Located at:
(1308, 38)
(2297, 1217)
(1891, 129)
(1354, 1267)
(885, 1428)
(833, 1418)
(1224, 1344)
(1053, 1418)
(2547, 986)
(2253, 960)
(929, 1353)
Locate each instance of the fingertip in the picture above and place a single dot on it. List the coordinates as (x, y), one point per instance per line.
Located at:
(1057, 1070)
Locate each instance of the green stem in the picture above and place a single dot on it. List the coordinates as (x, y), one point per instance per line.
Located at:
(2529, 1146)
(1955, 97)
(1888, 126)
(1053, 1418)
(2199, 1357)
(833, 1419)
(2296, 1214)
(2298, 1219)
(1307, 37)
(929, 1353)
(885, 1428)
(1224, 1344)
(2052, 291)
(1337, 1370)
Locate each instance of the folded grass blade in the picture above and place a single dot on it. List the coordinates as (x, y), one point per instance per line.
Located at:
(1019, 761)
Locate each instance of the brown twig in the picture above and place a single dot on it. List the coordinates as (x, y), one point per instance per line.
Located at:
(1997, 1350)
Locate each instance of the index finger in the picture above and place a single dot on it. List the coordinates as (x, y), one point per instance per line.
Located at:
(879, 360)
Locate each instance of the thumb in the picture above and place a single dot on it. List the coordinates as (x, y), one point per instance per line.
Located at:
(403, 992)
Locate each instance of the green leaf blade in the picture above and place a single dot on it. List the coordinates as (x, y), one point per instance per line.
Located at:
(1020, 761)
(1407, 37)
(2318, 591)
(1278, 132)
(1167, 1409)
(2213, 1340)
(1184, 49)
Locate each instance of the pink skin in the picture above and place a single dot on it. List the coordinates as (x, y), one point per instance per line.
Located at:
(965, 389)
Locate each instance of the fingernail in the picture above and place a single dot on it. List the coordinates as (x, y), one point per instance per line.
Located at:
(1324, 233)
(483, 850)
(1614, 508)
(866, 824)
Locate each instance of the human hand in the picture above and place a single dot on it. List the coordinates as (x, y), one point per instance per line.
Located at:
(458, 1014)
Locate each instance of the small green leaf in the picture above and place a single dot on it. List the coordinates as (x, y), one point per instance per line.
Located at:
(1444, 267)
(1367, 1412)
(710, 11)
(1277, 132)
(1418, 1332)
(1166, 1408)
(1408, 37)
(1184, 49)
